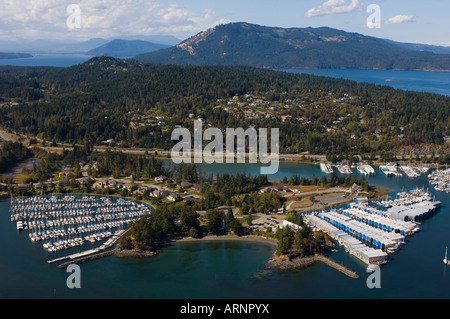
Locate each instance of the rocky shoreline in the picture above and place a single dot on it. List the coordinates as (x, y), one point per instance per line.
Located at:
(275, 262)
(284, 263)
(134, 253)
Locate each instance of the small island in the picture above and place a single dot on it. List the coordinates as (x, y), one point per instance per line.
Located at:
(12, 55)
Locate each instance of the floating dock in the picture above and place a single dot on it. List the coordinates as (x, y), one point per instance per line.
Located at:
(84, 225)
(366, 254)
(371, 234)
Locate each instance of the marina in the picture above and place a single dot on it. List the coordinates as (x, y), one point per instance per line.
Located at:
(371, 234)
(409, 171)
(83, 225)
(234, 262)
(440, 180)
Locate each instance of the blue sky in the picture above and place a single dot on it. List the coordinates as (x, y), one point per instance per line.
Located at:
(401, 20)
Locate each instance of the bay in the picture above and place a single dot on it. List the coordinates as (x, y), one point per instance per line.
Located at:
(419, 81)
(219, 269)
(61, 60)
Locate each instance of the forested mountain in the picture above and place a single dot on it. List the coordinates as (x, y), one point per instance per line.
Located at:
(125, 48)
(422, 47)
(130, 104)
(317, 48)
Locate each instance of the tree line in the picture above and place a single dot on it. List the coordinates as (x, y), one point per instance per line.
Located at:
(98, 101)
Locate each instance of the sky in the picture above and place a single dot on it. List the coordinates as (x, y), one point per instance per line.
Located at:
(79, 20)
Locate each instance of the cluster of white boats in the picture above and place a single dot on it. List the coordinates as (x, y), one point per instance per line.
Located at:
(69, 222)
(414, 196)
(440, 179)
(410, 171)
(366, 169)
(344, 169)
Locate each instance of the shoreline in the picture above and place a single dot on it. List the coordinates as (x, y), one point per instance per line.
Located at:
(250, 238)
(274, 263)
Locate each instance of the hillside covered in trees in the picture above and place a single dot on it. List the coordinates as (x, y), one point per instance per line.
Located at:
(310, 48)
(125, 103)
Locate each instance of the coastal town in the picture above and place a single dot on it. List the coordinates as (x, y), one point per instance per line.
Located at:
(78, 227)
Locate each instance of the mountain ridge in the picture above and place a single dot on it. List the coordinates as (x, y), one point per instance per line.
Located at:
(254, 45)
(125, 48)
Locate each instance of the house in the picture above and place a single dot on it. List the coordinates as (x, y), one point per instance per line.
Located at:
(66, 173)
(184, 185)
(173, 197)
(145, 189)
(130, 187)
(159, 193)
(276, 189)
(84, 181)
(104, 184)
(355, 189)
(160, 179)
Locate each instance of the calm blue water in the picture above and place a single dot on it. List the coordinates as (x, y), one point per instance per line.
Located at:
(47, 60)
(214, 270)
(432, 82)
(422, 81)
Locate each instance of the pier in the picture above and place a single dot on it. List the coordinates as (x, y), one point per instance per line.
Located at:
(338, 267)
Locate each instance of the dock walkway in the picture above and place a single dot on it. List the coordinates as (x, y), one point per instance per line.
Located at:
(337, 266)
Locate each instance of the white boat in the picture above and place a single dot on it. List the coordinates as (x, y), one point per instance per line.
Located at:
(369, 169)
(446, 261)
(344, 169)
(326, 168)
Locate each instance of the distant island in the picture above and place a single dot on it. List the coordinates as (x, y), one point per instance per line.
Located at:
(125, 48)
(306, 48)
(10, 55)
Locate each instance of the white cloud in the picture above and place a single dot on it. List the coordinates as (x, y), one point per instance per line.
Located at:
(333, 7)
(100, 18)
(400, 19)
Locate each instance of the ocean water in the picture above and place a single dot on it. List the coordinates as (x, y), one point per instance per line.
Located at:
(222, 270)
(48, 60)
(421, 81)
